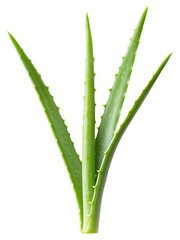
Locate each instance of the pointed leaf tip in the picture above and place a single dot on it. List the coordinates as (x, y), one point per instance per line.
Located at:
(87, 20)
(13, 40)
(88, 29)
(143, 17)
(88, 39)
(169, 56)
(11, 37)
(145, 11)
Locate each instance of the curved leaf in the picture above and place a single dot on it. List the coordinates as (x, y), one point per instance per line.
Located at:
(117, 95)
(57, 124)
(102, 173)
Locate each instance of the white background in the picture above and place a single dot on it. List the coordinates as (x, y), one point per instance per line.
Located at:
(142, 194)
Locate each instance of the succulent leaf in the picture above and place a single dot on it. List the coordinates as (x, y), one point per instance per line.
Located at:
(117, 95)
(103, 171)
(89, 176)
(57, 124)
(88, 147)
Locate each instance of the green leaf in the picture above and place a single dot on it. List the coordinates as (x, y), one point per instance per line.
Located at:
(88, 146)
(57, 124)
(117, 95)
(102, 173)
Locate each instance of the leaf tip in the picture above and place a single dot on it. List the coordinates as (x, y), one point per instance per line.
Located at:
(11, 37)
(86, 15)
(143, 17)
(170, 55)
(145, 11)
(167, 59)
(87, 20)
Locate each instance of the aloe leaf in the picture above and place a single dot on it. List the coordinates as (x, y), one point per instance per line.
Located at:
(102, 173)
(88, 146)
(57, 124)
(117, 95)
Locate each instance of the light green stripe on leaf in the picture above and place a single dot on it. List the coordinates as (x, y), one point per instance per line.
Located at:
(88, 147)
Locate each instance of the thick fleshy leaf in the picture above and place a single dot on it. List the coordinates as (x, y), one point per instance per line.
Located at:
(102, 173)
(88, 143)
(57, 124)
(117, 95)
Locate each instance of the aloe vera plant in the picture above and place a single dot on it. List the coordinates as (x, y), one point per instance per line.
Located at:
(89, 175)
